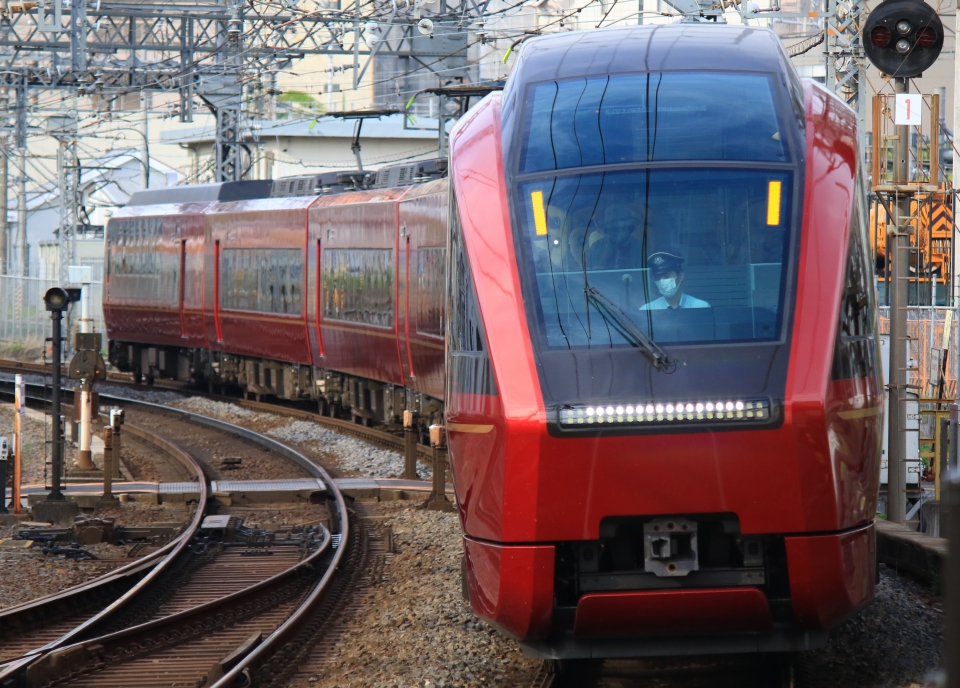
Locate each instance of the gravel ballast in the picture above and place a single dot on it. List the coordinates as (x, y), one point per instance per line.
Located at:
(416, 627)
(346, 455)
(37, 574)
(893, 643)
(349, 453)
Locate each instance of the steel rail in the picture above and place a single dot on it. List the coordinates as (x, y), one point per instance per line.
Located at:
(255, 656)
(173, 550)
(372, 435)
(295, 621)
(133, 566)
(101, 645)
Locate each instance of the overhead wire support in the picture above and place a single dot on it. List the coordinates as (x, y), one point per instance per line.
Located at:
(844, 56)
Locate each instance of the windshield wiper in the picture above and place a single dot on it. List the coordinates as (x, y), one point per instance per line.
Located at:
(628, 328)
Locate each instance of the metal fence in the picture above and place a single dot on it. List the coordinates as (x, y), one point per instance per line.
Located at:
(930, 364)
(23, 319)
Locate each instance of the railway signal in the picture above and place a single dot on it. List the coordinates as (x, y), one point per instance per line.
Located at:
(57, 300)
(902, 38)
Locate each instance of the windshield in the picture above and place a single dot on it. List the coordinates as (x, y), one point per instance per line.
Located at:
(650, 117)
(656, 220)
(691, 255)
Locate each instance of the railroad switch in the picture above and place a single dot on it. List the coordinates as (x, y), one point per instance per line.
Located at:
(91, 531)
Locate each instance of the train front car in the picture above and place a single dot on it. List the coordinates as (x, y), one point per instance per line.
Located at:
(663, 402)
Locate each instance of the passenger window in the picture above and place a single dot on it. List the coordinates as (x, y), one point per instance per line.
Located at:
(431, 268)
(263, 280)
(468, 369)
(358, 285)
(855, 351)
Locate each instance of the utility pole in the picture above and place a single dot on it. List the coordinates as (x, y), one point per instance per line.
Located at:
(64, 129)
(223, 93)
(23, 259)
(4, 229)
(844, 56)
(898, 239)
(56, 445)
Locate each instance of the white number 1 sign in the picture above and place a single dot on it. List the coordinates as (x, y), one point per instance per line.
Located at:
(909, 107)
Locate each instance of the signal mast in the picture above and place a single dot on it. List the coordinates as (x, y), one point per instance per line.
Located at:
(902, 38)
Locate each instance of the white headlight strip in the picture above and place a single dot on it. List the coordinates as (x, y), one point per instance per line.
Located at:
(662, 413)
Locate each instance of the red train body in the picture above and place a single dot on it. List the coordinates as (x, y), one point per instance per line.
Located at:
(632, 479)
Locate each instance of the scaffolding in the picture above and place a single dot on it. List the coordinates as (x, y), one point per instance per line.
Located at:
(930, 216)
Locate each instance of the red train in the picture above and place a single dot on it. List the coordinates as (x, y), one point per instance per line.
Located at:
(227, 283)
(660, 385)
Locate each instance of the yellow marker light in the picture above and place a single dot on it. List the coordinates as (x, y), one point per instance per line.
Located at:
(773, 204)
(539, 214)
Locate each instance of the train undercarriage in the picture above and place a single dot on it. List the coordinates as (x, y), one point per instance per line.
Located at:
(364, 401)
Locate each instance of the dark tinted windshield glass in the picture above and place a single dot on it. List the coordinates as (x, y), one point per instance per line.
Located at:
(650, 117)
(689, 255)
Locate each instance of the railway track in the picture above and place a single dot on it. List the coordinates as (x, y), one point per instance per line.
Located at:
(43, 625)
(220, 601)
(372, 435)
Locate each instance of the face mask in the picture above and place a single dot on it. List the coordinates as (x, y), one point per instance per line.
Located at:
(668, 286)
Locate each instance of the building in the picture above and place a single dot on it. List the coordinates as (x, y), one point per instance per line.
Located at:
(106, 184)
(283, 148)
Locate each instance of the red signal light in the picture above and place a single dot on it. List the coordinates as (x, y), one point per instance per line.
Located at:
(902, 38)
(925, 37)
(881, 36)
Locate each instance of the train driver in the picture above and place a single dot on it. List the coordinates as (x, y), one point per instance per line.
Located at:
(667, 271)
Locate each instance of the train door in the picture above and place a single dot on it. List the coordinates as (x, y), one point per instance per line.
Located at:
(423, 219)
(405, 282)
(182, 284)
(216, 291)
(314, 293)
(317, 335)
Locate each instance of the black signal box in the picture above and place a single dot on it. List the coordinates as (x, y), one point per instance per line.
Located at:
(88, 340)
(902, 38)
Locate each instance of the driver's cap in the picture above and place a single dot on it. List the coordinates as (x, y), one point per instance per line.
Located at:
(664, 262)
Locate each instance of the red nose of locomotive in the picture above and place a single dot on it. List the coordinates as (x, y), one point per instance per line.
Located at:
(663, 402)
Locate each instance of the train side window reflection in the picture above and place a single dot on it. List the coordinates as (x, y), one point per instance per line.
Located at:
(468, 363)
(263, 280)
(855, 352)
(358, 285)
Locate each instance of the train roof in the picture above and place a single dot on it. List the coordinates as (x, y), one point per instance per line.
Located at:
(389, 177)
(203, 193)
(684, 47)
(323, 184)
(408, 174)
(648, 48)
